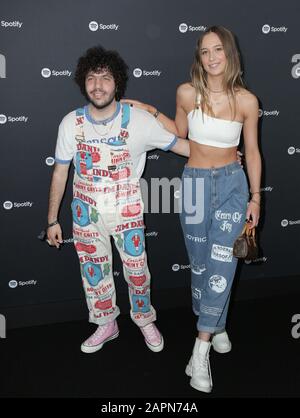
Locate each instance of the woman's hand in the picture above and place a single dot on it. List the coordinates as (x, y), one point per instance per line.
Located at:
(253, 211)
(140, 105)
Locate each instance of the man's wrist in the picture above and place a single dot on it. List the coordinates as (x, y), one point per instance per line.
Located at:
(52, 223)
(154, 112)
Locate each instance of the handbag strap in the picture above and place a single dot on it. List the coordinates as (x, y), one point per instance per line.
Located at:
(250, 232)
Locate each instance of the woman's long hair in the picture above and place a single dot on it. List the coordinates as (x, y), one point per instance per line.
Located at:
(232, 78)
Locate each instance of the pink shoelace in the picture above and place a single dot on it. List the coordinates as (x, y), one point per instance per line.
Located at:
(97, 334)
(151, 333)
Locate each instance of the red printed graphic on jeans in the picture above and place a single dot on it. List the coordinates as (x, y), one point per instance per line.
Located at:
(105, 304)
(138, 280)
(136, 241)
(88, 248)
(140, 303)
(131, 210)
(78, 211)
(91, 271)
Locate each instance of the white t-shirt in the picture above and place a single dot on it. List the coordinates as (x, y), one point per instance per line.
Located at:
(145, 134)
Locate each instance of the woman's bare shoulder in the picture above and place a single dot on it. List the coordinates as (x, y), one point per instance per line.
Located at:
(246, 97)
(185, 88)
(247, 103)
(186, 94)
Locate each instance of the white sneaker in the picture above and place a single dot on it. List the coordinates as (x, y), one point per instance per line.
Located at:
(199, 368)
(221, 342)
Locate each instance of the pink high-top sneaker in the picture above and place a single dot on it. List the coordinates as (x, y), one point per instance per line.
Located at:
(102, 334)
(153, 337)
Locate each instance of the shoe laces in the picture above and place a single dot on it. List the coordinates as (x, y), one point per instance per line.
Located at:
(100, 330)
(204, 359)
(205, 364)
(150, 331)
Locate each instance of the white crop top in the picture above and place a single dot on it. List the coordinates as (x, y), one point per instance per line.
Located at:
(215, 132)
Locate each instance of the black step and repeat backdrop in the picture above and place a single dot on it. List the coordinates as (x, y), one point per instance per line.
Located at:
(40, 42)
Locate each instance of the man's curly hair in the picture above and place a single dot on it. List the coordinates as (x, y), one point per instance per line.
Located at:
(98, 58)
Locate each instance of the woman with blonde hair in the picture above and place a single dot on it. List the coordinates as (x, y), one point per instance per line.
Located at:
(213, 109)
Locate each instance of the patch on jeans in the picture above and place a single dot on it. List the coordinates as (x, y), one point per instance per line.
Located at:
(196, 293)
(140, 303)
(235, 217)
(104, 304)
(134, 241)
(197, 268)
(226, 226)
(217, 283)
(196, 239)
(93, 273)
(210, 310)
(80, 212)
(221, 253)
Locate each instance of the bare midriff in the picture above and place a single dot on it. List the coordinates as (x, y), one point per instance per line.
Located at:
(205, 156)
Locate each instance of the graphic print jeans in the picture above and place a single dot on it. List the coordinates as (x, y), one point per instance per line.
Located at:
(97, 217)
(214, 203)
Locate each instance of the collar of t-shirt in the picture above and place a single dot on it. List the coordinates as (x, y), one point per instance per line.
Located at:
(103, 121)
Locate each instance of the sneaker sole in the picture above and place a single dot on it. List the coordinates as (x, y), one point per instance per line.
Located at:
(205, 389)
(92, 349)
(200, 388)
(156, 348)
(221, 351)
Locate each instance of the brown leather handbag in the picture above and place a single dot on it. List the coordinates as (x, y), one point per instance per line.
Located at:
(245, 245)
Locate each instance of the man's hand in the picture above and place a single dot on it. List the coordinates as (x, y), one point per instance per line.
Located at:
(54, 235)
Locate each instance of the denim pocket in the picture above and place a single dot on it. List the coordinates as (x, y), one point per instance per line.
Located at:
(243, 184)
(239, 182)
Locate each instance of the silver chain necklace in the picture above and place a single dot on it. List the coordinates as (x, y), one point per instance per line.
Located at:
(103, 133)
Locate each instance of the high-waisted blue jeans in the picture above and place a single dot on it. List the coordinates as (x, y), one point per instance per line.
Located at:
(214, 203)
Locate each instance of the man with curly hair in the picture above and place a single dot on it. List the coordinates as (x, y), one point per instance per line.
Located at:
(107, 142)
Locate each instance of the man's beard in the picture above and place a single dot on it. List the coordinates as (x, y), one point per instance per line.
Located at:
(105, 104)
